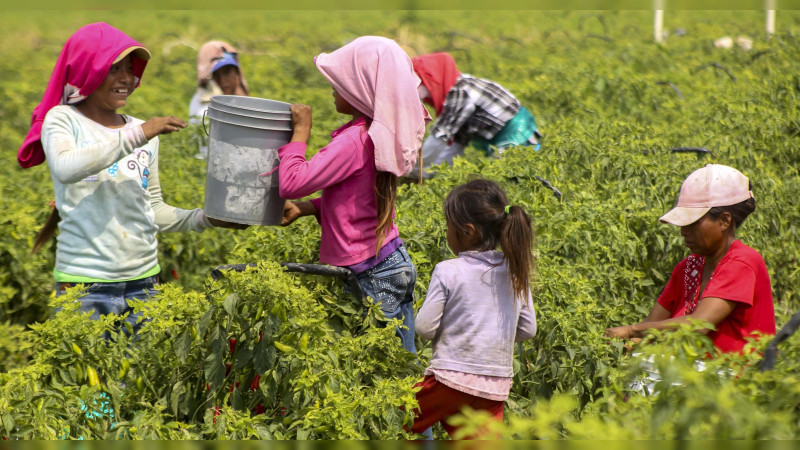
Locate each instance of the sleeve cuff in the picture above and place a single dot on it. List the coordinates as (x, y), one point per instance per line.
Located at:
(202, 221)
(317, 202)
(136, 136)
(292, 147)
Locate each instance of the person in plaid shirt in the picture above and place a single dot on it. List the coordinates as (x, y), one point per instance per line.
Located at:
(468, 109)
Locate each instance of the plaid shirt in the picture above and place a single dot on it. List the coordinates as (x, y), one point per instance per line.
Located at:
(474, 107)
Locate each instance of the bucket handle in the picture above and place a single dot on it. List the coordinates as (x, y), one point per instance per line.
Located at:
(205, 111)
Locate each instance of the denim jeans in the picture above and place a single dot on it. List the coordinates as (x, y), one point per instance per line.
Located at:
(391, 285)
(112, 298)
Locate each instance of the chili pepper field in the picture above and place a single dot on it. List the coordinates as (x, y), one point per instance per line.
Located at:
(274, 355)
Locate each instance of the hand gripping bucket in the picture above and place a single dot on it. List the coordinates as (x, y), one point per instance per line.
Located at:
(244, 138)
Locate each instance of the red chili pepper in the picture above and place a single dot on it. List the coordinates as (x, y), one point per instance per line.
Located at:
(259, 409)
(256, 381)
(174, 274)
(233, 345)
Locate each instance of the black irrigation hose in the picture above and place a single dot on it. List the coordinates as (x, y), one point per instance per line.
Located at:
(601, 37)
(715, 65)
(548, 34)
(341, 273)
(544, 182)
(514, 40)
(691, 149)
(451, 49)
(674, 88)
(217, 272)
(771, 352)
(757, 55)
(346, 275)
(547, 184)
(595, 16)
(453, 34)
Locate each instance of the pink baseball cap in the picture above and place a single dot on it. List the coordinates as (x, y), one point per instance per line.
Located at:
(713, 185)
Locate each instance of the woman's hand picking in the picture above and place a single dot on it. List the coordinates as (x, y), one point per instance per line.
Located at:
(619, 332)
(162, 125)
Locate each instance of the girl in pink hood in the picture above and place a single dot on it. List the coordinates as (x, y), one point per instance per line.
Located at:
(104, 166)
(373, 82)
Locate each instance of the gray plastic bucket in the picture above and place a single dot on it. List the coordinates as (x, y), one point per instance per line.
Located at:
(246, 119)
(242, 148)
(252, 113)
(251, 106)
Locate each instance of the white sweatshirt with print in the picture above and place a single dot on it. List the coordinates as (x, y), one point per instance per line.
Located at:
(108, 196)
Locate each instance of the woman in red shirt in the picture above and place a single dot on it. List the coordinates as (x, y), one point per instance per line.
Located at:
(723, 281)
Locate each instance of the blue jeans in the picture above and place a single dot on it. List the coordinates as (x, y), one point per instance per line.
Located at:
(391, 285)
(112, 298)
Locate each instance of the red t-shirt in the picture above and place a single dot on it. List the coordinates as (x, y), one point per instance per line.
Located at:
(741, 276)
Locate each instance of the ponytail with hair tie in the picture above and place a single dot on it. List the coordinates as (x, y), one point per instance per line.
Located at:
(476, 202)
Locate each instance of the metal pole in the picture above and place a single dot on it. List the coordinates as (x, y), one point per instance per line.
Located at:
(769, 5)
(658, 20)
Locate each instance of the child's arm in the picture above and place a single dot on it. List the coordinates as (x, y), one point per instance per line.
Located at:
(430, 315)
(301, 122)
(331, 165)
(294, 210)
(70, 163)
(526, 325)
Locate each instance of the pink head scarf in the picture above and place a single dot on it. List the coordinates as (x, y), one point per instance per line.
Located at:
(375, 76)
(208, 55)
(80, 69)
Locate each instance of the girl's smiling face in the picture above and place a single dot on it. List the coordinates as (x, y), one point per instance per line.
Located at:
(114, 91)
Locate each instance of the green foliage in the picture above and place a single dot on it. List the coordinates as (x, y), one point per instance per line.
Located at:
(258, 357)
(693, 398)
(318, 361)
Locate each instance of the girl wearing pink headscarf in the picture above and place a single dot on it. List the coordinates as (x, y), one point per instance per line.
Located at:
(104, 166)
(373, 82)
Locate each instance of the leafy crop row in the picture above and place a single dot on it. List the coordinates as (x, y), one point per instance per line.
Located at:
(267, 354)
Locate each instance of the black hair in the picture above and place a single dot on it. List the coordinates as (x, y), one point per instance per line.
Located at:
(738, 212)
(483, 204)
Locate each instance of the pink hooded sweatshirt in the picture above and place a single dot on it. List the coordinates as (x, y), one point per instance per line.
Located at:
(374, 75)
(80, 69)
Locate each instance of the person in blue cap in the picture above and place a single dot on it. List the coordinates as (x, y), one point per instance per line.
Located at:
(218, 73)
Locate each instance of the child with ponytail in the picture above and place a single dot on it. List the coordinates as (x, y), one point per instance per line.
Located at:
(477, 306)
